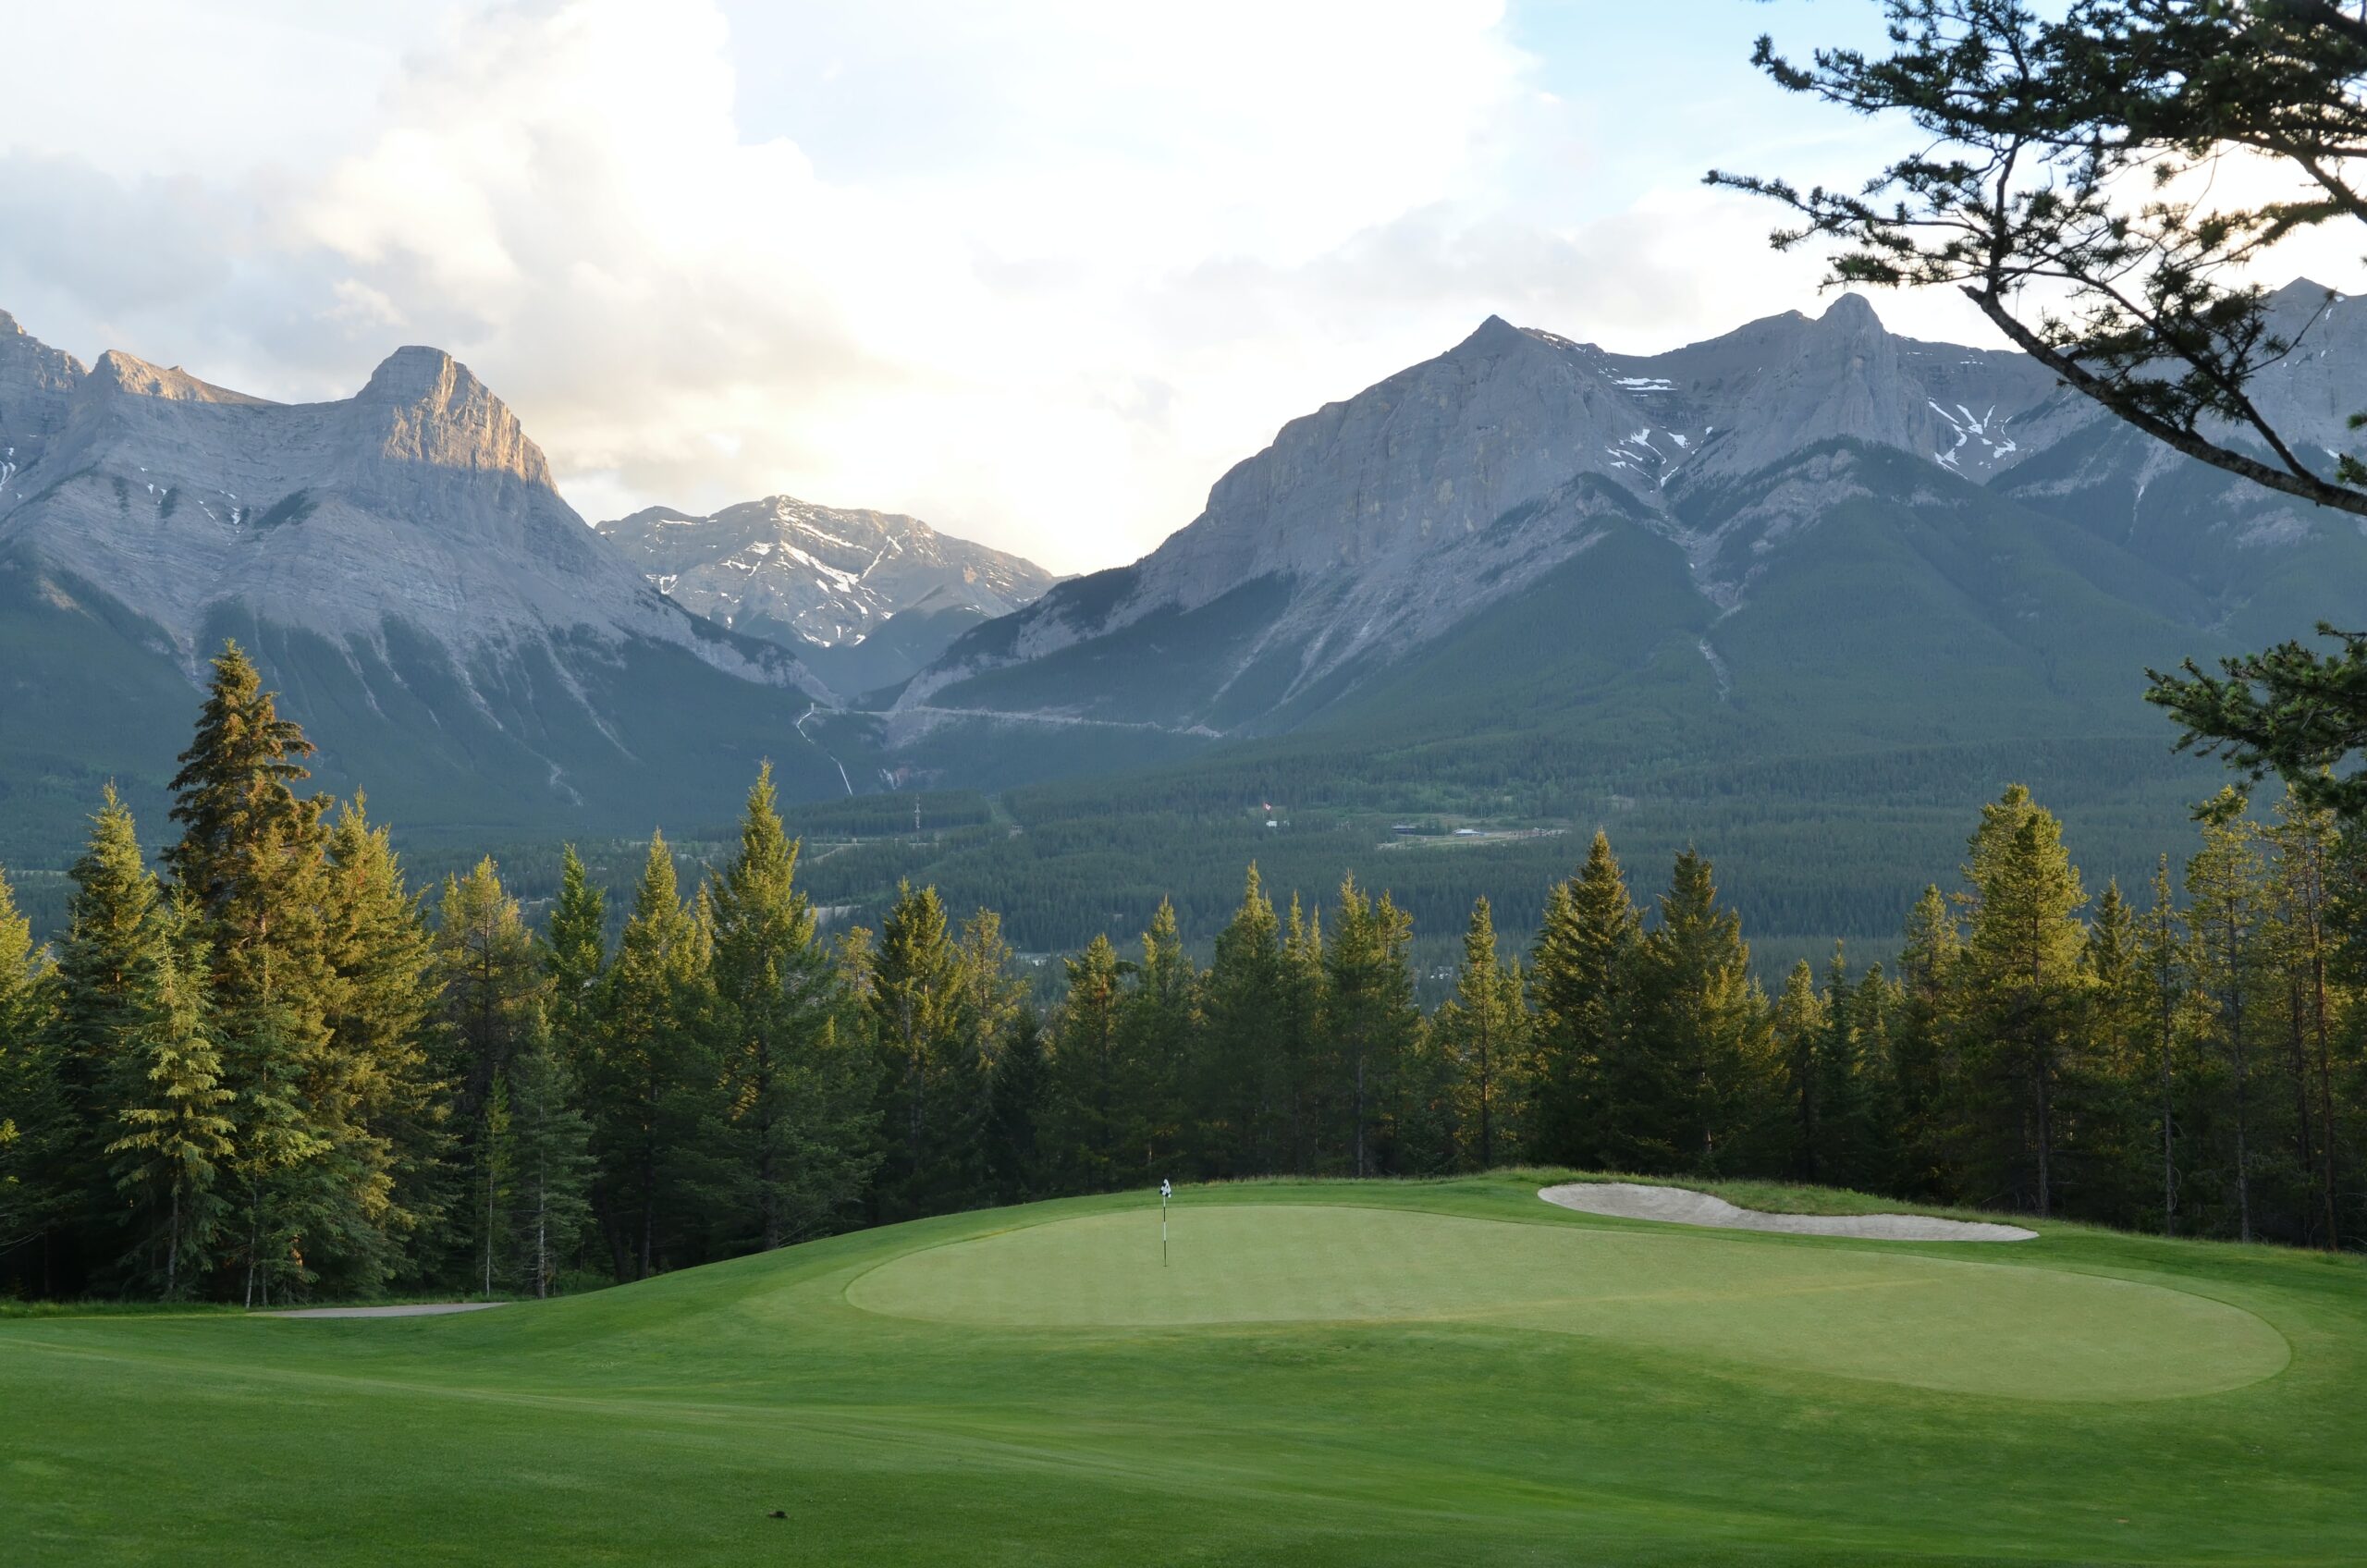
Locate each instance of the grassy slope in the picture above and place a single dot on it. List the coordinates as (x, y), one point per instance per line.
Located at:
(667, 1419)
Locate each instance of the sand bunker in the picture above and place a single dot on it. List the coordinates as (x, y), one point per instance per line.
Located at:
(1679, 1205)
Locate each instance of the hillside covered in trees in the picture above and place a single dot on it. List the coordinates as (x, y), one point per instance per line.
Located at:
(272, 1069)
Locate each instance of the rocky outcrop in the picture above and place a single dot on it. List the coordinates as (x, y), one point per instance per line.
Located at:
(37, 386)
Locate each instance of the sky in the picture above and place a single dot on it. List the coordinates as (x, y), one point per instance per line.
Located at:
(1037, 271)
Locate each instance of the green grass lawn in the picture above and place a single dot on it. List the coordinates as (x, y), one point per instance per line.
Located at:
(1321, 1373)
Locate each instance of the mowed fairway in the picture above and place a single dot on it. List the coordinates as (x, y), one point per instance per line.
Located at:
(1448, 1372)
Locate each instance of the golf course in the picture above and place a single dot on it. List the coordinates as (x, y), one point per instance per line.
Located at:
(1314, 1373)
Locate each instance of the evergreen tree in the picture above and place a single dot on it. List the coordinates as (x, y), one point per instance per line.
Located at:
(1240, 1074)
(1369, 1020)
(172, 1123)
(932, 1075)
(1298, 1035)
(1483, 1033)
(381, 1081)
(1016, 1101)
(2163, 966)
(497, 1157)
(1086, 1075)
(2025, 979)
(2303, 844)
(36, 1131)
(1684, 1083)
(1801, 1022)
(575, 958)
(794, 1139)
(1579, 980)
(114, 922)
(2107, 1122)
(2225, 882)
(1154, 1029)
(654, 1076)
(1929, 1087)
(547, 1164)
(252, 860)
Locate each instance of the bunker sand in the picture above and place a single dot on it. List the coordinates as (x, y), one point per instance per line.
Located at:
(1682, 1205)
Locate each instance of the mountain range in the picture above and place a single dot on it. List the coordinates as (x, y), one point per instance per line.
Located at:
(1806, 592)
(865, 599)
(1806, 530)
(400, 563)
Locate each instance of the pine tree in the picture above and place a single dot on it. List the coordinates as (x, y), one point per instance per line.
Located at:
(654, 1075)
(382, 1085)
(172, 1123)
(575, 956)
(549, 1163)
(2107, 1122)
(36, 1132)
(1483, 1031)
(1928, 1085)
(1801, 1022)
(1236, 1074)
(252, 859)
(497, 1159)
(1087, 1073)
(1579, 981)
(2225, 882)
(1683, 1083)
(1369, 1019)
(115, 918)
(2164, 964)
(2024, 976)
(1298, 1035)
(799, 1092)
(932, 1074)
(1154, 1029)
(492, 988)
(1017, 1101)
(2303, 845)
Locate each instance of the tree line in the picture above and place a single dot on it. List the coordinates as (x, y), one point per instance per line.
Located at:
(272, 1069)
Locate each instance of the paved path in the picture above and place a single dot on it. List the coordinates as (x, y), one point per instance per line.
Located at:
(421, 1309)
(1682, 1205)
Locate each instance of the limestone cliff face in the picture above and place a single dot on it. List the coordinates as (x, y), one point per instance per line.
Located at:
(1403, 511)
(37, 386)
(420, 501)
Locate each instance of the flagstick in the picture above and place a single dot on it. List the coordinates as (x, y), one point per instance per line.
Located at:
(1162, 1225)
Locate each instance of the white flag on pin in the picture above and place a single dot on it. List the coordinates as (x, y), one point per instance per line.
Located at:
(1166, 1189)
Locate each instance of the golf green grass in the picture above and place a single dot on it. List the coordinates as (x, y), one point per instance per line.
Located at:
(1932, 1322)
(1321, 1373)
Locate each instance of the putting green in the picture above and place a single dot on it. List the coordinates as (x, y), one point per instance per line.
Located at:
(1903, 1318)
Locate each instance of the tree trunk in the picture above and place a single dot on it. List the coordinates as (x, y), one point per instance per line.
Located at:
(2170, 1146)
(2243, 1155)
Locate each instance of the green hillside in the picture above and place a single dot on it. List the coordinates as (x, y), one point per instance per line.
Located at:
(1321, 1373)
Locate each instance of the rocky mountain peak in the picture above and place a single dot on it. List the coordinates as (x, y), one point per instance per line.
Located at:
(1852, 312)
(798, 572)
(118, 373)
(1494, 335)
(423, 406)
(419, 374)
